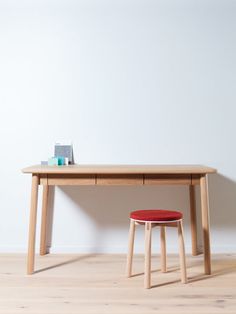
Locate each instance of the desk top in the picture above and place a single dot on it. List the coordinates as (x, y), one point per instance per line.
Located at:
(120, 169)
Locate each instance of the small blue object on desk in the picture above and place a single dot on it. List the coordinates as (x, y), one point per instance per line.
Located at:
(56, 161)
(53, 161)
(61, 160)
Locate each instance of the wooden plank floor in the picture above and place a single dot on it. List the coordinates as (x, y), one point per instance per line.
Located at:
(89, 284)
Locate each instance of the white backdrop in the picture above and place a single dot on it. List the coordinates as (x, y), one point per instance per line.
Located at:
(129, 82)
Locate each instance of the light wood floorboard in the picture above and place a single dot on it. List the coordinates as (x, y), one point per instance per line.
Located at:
(96, 284)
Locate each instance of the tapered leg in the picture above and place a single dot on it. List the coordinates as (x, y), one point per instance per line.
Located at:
(148, 243)
(163, 248)
(182, 252)
(205, 224)
(193, 219)
(130, 248)
(32, 224)
(43, 236)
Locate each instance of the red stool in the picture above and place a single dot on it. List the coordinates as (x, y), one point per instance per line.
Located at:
(152, 218)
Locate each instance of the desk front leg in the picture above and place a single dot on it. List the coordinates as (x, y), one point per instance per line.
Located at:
(205, 223)
(32, 224)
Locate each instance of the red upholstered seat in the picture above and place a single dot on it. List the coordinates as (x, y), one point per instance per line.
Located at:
(156, 215)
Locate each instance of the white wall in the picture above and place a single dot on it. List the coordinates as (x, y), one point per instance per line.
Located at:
(144, 81)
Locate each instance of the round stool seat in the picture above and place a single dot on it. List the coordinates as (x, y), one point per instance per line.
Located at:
(156, 215)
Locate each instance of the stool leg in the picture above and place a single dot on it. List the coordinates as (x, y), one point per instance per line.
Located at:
(163, 248)
(130, 248)
(148, 242)
(182, 252)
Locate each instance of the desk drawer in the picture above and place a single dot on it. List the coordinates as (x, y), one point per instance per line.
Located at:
(119, 179)
(167, 179)
(71, 179)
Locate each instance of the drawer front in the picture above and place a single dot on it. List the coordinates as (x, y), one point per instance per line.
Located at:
(119, 179)
(71, 179)
(166, 179)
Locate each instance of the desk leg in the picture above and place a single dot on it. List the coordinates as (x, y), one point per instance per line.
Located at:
(205, 223)
(43, 236)
(193, 219)
(32, 224)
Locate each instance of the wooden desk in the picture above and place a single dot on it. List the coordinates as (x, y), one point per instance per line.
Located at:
(189, 175)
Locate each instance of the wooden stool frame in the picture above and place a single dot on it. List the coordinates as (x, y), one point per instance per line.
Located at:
(148, 241)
